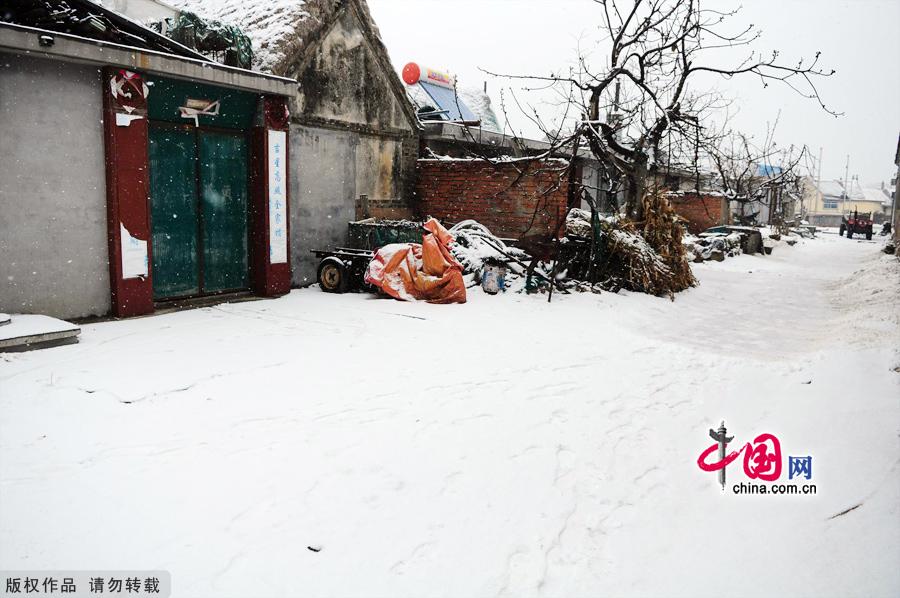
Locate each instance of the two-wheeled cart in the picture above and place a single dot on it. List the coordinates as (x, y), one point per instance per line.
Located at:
(342, 268)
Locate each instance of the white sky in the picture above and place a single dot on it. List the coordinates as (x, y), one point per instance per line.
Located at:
(858, 38)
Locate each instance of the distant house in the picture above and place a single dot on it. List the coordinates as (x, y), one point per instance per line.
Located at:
(760, 194)
(827, 201)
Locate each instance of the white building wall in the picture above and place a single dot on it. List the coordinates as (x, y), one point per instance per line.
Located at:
(53, 243)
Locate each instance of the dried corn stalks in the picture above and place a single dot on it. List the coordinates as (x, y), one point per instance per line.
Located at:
(647, 257)
(663, 233)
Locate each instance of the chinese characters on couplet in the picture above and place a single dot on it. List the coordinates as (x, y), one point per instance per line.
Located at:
(277, 197)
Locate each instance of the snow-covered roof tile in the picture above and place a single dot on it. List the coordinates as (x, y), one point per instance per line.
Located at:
(281, 31)
(860, 193)
(270, 24)
(831, 188)
(874, 194)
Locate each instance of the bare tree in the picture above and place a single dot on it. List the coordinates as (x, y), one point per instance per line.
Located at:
(640, 106)
(754, 176)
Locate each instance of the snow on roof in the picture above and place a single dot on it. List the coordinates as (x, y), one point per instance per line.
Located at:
(270, 24)
(504, 159)
(281, 31)
(860, 193)
(831, 188)
(874, 194)
(835, 188)
(74, 18)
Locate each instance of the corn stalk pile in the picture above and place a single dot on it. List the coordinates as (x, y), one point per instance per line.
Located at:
(615, 253)
(664, 234)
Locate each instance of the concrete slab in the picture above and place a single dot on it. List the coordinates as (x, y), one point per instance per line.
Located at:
(26, 332)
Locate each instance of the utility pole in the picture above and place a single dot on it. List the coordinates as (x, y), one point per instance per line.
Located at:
(846, 183)
(819, 170)
(820, 197)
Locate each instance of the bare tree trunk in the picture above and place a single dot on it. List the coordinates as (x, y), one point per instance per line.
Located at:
(636, 187)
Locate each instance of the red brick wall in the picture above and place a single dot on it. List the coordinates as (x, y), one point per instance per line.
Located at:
(497, 196)
(701, 212)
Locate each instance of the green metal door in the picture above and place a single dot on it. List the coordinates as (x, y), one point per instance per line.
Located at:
(173, 212)
(199, 241)
(223, 184)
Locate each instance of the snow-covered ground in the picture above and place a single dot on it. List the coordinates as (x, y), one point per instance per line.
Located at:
(505, 447)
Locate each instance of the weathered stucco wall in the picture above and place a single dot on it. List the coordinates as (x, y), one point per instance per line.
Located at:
(352, 135)
(344, 81)
(330, 169)
(385, 167)
(53, 247)
(323, 194)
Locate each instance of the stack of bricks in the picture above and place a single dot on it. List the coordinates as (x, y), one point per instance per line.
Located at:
(496, 195)
(700, 211)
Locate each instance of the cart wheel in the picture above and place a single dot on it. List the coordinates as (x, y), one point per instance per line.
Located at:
(333, 276)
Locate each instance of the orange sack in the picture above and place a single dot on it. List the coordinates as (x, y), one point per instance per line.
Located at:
(410, 271)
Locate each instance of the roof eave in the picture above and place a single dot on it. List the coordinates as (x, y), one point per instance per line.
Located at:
(72, 48)
(126, 22)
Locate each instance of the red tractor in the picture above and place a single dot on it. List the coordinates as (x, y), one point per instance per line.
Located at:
(853, 224)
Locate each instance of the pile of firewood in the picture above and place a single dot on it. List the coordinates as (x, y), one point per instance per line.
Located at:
(598, 253)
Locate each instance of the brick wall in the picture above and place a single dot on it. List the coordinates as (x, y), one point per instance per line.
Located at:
(509, 204)
(701, 212)
(384, 209)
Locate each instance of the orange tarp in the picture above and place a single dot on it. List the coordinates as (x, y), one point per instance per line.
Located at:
(410, 271)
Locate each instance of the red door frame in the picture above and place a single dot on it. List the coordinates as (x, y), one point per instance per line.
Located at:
(126, 136)
(268, 279)
(125, 131)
